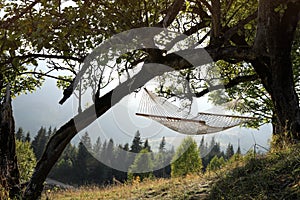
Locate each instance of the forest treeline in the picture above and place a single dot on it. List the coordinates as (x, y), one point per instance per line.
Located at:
(79, 164)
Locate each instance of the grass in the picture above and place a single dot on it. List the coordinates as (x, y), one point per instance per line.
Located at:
(272, 176)
(190, 187)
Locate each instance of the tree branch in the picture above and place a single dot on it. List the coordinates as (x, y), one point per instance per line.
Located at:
(46, 75)
(216, 18)
(171, 14)
(9, 21)
(229, 33)
(230, 84)
(36, 55)
(207, 5)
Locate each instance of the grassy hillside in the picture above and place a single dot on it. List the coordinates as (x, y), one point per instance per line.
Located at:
(191, 187)
(272, 176)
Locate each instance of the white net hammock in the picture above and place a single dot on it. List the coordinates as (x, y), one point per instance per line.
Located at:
(169, 115)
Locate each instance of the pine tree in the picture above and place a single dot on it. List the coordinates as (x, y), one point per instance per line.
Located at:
(86, 140)
(213, 150)
(120, 161)
(136, 146)
(97, 148)
(142, 165)
(238, 151)
(186, 159)
(20, 134)
(39, 142)
(162, 145)
(147, 146)
(27, 138)
(109, 156)
(103, 150)
(202, 148)
(49, 133)
(81, 164)
(216, 163)
(229, 151)
(126, 147)
(65, 168)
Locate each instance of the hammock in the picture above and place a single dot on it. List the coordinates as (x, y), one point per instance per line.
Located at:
(169, 115)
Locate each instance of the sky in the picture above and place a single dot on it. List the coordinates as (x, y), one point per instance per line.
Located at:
(120, 123)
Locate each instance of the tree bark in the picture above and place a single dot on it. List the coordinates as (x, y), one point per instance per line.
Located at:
(9, 172)
(275, 35)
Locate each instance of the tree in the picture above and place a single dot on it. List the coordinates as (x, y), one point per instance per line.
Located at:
(186, 159)
(20, 135)
(238, 151)
(39, 142)
(86, 140)
(65, 168)
(97, 147)
(214, 149)
(162, 145)
(202, 147)
(109, 152)
(142, 165)
(216, 163)
(147, 146)
(9, 172)
(28, 138)
(136, 145)
(26, 160)
(82, 164)
(255, 38)
(229, 151)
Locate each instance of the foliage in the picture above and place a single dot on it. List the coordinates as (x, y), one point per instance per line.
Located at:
(186, 159)
(26, 160)
(162, 144)
(162, 160)
(216, 163)
(229, 151)
(136, 146)
(89, 169)
(39, 142)
(142, 166)
(147, 146)
(208, 152)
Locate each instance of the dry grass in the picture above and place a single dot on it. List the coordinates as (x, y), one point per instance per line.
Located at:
(191, 187)
(272, 176)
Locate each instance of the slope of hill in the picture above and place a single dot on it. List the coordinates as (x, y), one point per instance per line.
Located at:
(272, 176)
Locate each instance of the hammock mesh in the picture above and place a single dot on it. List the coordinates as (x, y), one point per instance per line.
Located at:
(169, 115)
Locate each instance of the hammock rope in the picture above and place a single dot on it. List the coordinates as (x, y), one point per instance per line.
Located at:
(171, 116)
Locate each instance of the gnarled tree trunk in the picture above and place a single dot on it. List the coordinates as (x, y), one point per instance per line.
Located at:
(275, 35)
(9, 173)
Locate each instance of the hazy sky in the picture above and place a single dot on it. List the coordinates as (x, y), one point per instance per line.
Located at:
(41, 108)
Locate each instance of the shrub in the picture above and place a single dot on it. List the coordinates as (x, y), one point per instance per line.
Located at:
(26, 160)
